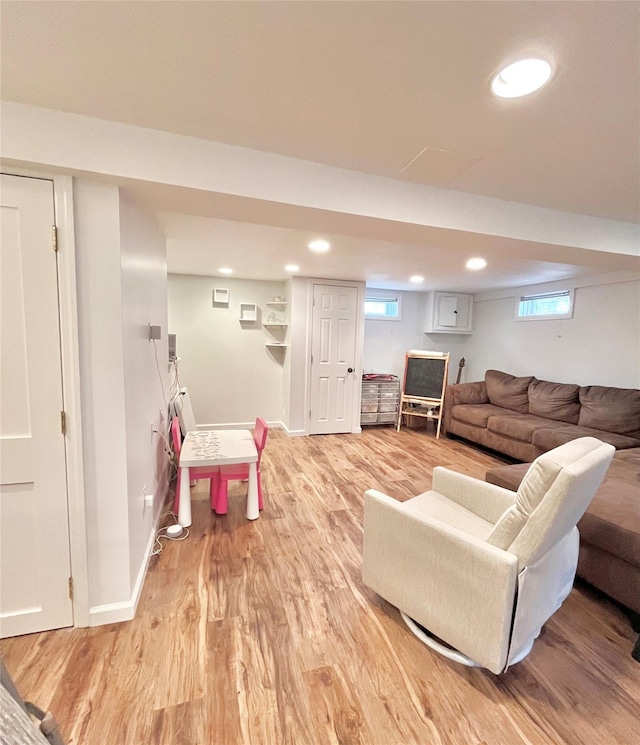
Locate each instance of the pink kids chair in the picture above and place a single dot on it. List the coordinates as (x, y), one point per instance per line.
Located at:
(203, 472)
(239, 472)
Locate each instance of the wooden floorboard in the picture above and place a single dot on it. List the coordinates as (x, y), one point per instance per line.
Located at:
(262, 633)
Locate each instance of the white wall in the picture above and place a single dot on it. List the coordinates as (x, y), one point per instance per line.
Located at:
(387, 342)
(121, 285)
(97, 235)
(143, 261)
(294, 385)
(600, 345)
(231, 376)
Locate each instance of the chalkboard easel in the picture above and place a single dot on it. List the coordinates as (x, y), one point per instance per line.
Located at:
(423, 387)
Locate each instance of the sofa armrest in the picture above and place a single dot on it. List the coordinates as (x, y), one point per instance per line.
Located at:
(485, 500)
(463, 393)
(441, 577)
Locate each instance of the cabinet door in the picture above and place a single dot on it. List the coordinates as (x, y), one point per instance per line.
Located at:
(452, 313)
(447, 311)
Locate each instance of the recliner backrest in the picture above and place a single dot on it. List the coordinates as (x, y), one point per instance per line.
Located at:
(552, 497)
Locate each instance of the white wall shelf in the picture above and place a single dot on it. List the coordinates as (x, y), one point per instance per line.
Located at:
(248, 312)
(277, 305)
(274, 344)
(221, 295)
(275, 325)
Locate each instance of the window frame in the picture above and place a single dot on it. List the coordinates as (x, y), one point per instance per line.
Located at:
(382, 296)
(569, 293)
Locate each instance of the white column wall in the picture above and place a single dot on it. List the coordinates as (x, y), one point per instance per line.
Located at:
(143, 261)
(600, 345)
(231, 375)
(97, 235)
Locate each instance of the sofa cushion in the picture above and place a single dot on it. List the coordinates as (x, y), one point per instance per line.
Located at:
(508, 391)
(478, 414)
(518, 426)
(610, 409)
(547, 439)
(558, 401)
(612, 521)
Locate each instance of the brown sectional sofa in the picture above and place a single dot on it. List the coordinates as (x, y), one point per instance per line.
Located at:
(524, 417)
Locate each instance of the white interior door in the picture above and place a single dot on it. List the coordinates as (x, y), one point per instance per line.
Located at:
(34, 527)
(333, 355)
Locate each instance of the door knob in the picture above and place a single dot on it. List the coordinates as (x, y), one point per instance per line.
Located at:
(349, 369)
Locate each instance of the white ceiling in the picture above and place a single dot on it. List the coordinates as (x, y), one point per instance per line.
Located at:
(360, 85)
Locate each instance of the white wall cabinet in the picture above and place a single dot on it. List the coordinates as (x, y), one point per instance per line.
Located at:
(449, 313)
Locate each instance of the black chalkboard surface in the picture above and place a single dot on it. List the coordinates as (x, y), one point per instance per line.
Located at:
(424, 377)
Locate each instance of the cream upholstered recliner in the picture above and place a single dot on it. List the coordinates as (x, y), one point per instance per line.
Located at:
(480, 567)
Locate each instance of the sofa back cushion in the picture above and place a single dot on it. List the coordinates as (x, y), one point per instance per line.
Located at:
(610, 409)
(508, 391)
(558, 401)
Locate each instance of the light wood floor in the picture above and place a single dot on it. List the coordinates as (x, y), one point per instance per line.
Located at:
(262, 632)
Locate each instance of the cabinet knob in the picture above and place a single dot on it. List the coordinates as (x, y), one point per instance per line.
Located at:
(349, 369)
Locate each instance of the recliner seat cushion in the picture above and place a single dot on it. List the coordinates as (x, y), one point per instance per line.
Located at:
(557, 401)
(611, 409)
(508, 391)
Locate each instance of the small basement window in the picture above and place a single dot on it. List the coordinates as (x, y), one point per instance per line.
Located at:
(382, 308)
(546, 305)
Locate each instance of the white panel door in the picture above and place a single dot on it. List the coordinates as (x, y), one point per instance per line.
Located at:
(34, 527)
(333, 354)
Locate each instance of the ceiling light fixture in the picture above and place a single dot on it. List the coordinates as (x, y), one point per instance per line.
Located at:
(292, 268)
(416, 278)
(319, 245)
(475, 264)
(225, 270)
(521, 78)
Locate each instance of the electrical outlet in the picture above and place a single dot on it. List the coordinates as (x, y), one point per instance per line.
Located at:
(148, 500)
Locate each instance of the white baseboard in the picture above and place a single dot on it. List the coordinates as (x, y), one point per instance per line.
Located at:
(99, 615)
(293, 432)
(236, 425)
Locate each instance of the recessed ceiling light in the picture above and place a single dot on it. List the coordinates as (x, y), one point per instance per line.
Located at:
(292, 268)
(476, 264)
(320, 246)
(521, 78)
(416, 278)
(225, 270)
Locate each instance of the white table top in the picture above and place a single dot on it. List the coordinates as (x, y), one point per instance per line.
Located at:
(218, 447)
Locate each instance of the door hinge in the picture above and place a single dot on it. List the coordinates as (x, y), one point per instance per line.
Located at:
(54, 237)
(70, 588)
(309, 413)
(63, 423)
(312, 359)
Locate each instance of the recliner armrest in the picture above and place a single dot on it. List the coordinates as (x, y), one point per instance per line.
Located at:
(485, 500)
